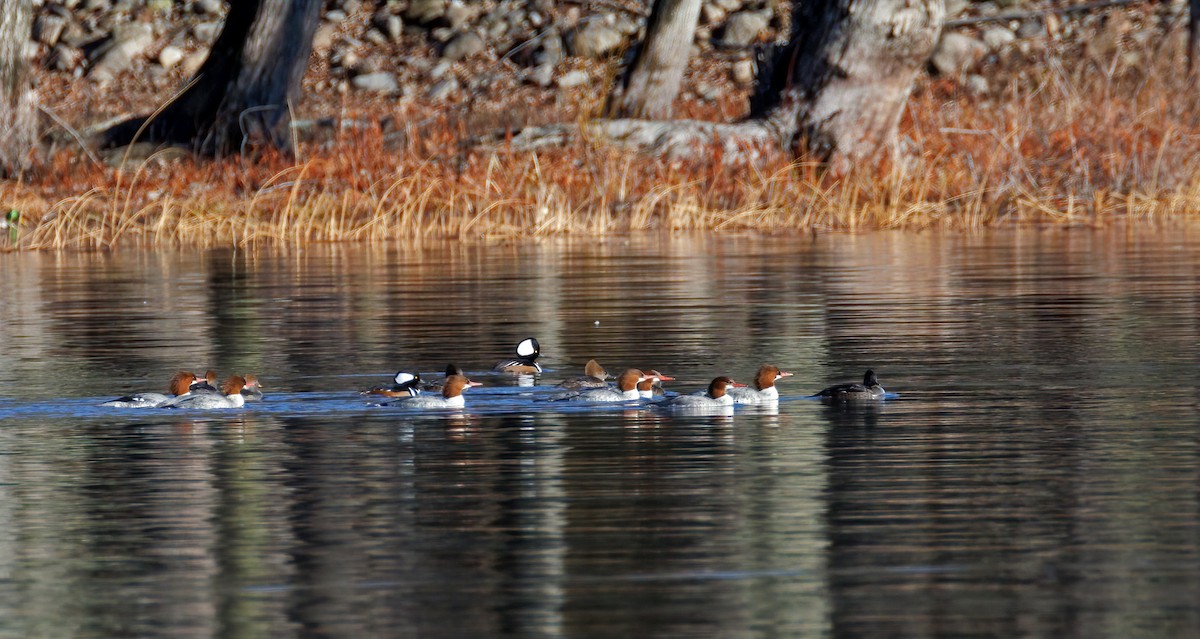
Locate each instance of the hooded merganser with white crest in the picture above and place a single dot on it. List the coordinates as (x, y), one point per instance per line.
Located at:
(625, 391)
(182, 383)
(528, 350)
(452, 395)
(868, 389)
(716, 396)
(594, 376)
(652, 385)
(405, 384)
(229, 397)
(764, 386)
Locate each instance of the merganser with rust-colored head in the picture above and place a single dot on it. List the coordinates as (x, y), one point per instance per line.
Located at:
(452, 395)
(764, 390)
(229, 397)
(182, 383)
(869, 389)
(625, 391)
(594, 376)
(528, 351)
(436, 387)
(715, 396)
(253, 390)
(652, 385)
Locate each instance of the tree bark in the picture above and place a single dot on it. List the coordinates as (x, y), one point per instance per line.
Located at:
(18, 121)
(1193, 41)
(837, 90)
(652, 81)
(241, 95)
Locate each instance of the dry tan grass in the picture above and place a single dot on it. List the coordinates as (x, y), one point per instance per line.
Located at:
(1054, 143)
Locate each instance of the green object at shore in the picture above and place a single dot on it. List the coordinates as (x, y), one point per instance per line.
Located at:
(11, 220)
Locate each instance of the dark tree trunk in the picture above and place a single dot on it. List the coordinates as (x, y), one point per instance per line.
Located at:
(837, 90)
(652, 81)
(18, 122)
(240, 97)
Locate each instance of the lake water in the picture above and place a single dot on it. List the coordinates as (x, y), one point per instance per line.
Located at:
(1037, 474)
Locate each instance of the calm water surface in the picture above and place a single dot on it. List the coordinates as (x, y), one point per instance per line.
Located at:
(1038, 474)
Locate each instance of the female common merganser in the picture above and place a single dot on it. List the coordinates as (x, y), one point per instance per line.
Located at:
(868, 389)
(652, 385)
(229, 397)
(436, 387)
(594, 376)
(452, 395)
(406, 385)
(182, 383)
(526, 361)
(764, 387)
(626, 390)
(715, 397)
(253, 390)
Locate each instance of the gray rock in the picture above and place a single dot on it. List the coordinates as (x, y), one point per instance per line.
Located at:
(1031, 29)
(458, 15)
(324, 37)
(206, 32)
(170, 56)
(207, 7)
(707, 92)
(425, 11)
(109, 65)
(541, 75)
(550, 49)
(996, 37)
(728, 5)
(742, 29)
(955, 7)
(572, 79)
(48, 28)
(378, 82)
(710, 13)
(594, 39)
(462, 46)
(388, 24)
(439, 70)
(443, 89)
(192, 63)
(335, 16)
(133, 38)
(64, 58)
(977, 84)
(956, 53)
(742, 72)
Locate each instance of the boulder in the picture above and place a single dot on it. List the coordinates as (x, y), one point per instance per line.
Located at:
(594, 39)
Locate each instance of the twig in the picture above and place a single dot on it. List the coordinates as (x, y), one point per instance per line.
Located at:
(75, 134)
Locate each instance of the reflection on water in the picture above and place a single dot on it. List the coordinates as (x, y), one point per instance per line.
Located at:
(1036, 476)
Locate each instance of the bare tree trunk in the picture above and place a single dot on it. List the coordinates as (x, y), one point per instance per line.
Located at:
(18, 122)
(652, 82)
(240, 96)
(838, 89)
(1193, 41)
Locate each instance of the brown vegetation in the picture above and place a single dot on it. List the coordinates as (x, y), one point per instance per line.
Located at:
(1079, 143)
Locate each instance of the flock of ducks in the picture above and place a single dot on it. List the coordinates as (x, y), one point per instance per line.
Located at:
(188, 390)
(408, 390)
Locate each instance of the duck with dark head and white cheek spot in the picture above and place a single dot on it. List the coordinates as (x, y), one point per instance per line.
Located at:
(525, 362)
